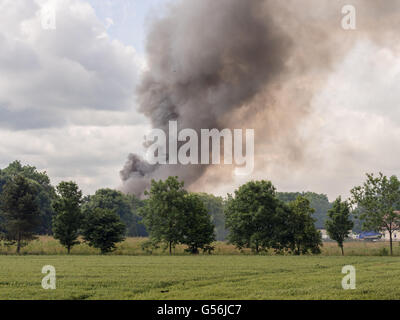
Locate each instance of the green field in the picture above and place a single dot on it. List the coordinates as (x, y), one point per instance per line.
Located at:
(198, 277)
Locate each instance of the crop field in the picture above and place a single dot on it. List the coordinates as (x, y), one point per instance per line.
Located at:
(198, 277)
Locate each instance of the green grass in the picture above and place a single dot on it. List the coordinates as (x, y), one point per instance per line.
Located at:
(198, 277)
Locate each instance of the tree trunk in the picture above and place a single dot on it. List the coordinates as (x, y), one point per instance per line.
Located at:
(341, 247)
(170, 247)
(69, 249)
(19, 243)
(391, 242)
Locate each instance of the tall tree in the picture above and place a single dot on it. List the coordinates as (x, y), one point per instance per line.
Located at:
(300, 233)
(68, 218)
(379, 197)
(252, 216)
(20, 210)
(197, 228)
(164, 210)
(339, 224)
(46, 192)
(102, 229)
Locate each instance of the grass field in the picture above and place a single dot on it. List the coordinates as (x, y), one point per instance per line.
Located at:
(132, 273)
(132, 246)
(199, 277)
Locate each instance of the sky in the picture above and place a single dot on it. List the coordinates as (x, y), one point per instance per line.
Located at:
(67, 101)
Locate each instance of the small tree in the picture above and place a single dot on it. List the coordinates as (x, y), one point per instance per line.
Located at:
(198, 230)
(68, 219)
(164, 210)
(103, 228)
(379, 198)
(339, 223)
(301, 235)
(20, 210)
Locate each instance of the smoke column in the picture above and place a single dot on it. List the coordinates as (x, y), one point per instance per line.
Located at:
(238, 64)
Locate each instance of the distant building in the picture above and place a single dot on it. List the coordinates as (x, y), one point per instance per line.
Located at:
(395, 235)
(353, 235)
(324, 234)
(370, 235)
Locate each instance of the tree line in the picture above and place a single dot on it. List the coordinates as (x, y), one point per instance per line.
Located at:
(255, 217)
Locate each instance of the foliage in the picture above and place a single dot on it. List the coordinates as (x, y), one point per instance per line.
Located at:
(300, 234)
(68, 218)
(379, 198)
(319, 202)
(197, 228)
(164, 210)
(215, 207)
(339, 224)
(122, 204)
(20, 210)
(45, 196)
(173, 216)
(253, 218)
(102, 229)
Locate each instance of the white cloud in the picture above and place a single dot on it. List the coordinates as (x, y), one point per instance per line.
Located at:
(70, 68)
(67, 100)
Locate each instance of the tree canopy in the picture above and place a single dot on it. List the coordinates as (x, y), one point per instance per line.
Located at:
(20, 210)
(45, 191)
(102, 229)
(215, 208)
(125, 206)
(174, 216)
(339, 223)
(379, 198)
(253, 216)
(257, 219)
(164, 210)
(68, 219)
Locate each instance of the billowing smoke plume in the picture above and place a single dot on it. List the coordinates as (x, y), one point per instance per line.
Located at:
(236, 64)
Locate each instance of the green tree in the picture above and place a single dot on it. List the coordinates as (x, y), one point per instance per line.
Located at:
(197, 228)
(319, 202)
(20, 210)
(68, 218)
(122, 205)
(164, 210)
(339, 224)
(299, 233)
(379, 198)
(215, 207)
(136, 205)
(253, 218)
(102, 229)
(46, 192)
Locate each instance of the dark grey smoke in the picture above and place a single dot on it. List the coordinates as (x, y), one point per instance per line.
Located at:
(206, 58)
(246, 63)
